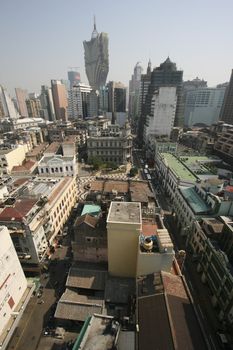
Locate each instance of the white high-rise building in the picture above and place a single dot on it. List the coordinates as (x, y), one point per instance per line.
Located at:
(134, 92)
(163, 108)
(203, 106)
(7, 105)
(79, 101)
(13, 283)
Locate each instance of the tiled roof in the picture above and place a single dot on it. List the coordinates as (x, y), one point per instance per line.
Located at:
(97, 186)
(87, 219)
(86, 278)
(140, 192)
(119, 186)
(19, 210)
(73, 306)
(149, 229)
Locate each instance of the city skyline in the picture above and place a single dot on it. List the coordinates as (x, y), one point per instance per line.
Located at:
(39, 45)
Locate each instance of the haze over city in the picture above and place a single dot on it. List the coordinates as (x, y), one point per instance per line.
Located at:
(41, 39)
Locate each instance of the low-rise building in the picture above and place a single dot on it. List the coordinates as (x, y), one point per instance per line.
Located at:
(111, 145)
(210, 242)
(164, 304)
(223, 145)
(36, 212)
(58, 161)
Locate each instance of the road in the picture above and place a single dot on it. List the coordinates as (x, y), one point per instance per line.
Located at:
(39, 311)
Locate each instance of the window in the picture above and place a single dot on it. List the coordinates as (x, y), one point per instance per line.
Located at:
(61, 169)
(42, 170)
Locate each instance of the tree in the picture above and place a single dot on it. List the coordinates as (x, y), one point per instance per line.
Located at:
(133, 171)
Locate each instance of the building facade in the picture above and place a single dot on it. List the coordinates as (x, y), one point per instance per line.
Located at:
(10, 158)
(12, 280)
(163, 108)
(111, 145)
(36, 213)
(33, 107)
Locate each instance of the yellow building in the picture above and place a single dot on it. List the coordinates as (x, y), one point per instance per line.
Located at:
(124, 226)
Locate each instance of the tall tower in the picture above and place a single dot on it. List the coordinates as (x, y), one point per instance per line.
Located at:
(60, 99)
(227, 108)
(96, 59)
(134, 92)
(22, 96)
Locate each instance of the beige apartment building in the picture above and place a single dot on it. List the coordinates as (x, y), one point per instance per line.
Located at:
(10, 158)
(123, 226)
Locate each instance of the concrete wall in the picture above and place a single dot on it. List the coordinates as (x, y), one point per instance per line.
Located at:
(123, 248)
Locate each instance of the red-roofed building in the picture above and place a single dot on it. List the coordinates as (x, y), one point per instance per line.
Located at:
(26, 168)
(18, 211)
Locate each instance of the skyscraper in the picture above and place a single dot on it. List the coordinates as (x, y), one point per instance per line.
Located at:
(7, 105)
(167, 75)
(227, 108)
(59, 99)
(21, 96)
(144, 87)
(96, 59)
(134, 92)
(47, 106)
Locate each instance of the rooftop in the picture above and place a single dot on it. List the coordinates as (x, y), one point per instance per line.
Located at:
(91, 209)
(164, 305)
(86, 278)
(118, 289)
(98, 332)
(197, 204)
(179, 168)
(125, 212)
(53, 148)
(37, 150)
(77, 307)
(19, 210)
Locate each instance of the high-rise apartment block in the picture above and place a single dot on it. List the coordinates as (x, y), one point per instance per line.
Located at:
(22, 96)
(203, 106)
(163, 108)
(96, 59)
(227, 108)
(60, 99)
(33, 107)
(47, 106)
(82, 102)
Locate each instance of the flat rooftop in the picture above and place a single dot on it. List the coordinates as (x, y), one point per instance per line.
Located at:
(125, 212)
(195, 201)
(99, 332)
(179, 168)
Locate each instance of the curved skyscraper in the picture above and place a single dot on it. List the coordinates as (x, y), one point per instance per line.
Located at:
(96, 59)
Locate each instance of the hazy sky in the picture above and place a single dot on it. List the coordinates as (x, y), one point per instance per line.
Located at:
(40, 39)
